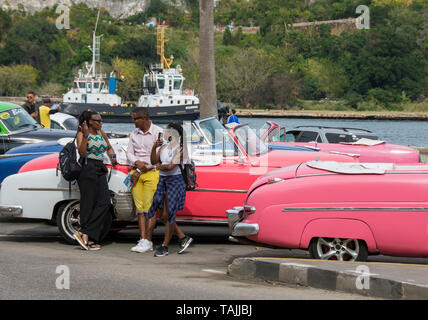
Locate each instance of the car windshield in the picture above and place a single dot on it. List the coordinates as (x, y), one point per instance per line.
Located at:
(71, 124)
(213, 130)
(248, 138)
(340, 137)
(17, 119)
(265, 128)
(216, 139)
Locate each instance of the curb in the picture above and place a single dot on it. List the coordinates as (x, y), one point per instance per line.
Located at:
(307, 275)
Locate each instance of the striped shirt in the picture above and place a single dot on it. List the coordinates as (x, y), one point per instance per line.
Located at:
(96, 147)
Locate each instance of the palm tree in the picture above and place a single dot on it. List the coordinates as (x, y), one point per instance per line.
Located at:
(207, 95)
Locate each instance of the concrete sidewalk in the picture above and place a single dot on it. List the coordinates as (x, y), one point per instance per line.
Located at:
(374, 279)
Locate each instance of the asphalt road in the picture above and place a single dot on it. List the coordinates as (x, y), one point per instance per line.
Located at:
(35, 263)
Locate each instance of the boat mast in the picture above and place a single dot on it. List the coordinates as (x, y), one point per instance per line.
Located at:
(160, 46)
(96, 48)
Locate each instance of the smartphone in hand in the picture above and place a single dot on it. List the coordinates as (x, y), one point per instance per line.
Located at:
(160, 135)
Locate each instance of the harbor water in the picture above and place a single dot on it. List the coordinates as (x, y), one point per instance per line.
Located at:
(404, 132)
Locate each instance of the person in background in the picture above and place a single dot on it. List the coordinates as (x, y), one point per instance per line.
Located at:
(30, 105)
(233, 117)
(144, 176)
(171, 191)
(224, 119)
(95, 203)
(45, 111)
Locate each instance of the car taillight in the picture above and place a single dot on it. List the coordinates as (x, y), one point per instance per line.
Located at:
(249, 210)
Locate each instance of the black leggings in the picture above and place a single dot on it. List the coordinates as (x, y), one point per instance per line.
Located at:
(94, 200)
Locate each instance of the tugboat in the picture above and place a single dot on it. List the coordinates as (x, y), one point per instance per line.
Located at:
(91, 91)
(163, 91)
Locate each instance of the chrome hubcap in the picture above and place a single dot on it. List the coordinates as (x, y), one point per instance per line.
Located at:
(338, 249)
(72, 218)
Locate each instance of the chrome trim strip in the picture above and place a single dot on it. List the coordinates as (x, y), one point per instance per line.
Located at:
(202, 221)
(338, 173)
(12, 155)
(415, 209)
(48, 189)
(346, 154)
(221, 190)
(317, 174)
(10, 211)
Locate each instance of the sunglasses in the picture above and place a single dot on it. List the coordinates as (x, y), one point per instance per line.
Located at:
(99, 121)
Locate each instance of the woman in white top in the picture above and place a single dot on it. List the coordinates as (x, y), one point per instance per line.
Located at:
(171, 190)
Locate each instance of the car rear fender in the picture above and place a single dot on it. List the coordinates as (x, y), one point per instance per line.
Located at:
(338, 228)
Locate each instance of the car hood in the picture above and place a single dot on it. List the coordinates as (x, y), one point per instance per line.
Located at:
(45, 134)
(273, 176)
(384, 152)
(282, 158)
(49, 146)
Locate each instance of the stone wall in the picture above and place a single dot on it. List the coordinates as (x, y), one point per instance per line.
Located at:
(337, 26)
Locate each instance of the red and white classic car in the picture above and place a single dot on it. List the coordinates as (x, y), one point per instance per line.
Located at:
(225, 170)
(338, 211)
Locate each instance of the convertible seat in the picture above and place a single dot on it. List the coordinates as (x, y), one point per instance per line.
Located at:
(365, 142)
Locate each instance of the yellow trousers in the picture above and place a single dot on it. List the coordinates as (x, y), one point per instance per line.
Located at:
(144, 190)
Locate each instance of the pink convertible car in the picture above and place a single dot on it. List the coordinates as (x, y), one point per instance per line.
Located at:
(338, 211)
(365, 146)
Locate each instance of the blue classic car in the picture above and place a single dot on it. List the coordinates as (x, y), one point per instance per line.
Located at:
(14, 159)
(18, 128)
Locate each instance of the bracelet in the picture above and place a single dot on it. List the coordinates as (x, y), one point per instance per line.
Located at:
(138, 170)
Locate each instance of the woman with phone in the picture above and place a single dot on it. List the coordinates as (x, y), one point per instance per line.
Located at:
(95, 203)
(171, 190)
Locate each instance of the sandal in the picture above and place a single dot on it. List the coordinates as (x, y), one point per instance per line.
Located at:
(94, 247)
(80, 241)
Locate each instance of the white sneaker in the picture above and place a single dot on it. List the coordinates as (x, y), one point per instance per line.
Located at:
(139, 246)
(148, 245)
(142, 246)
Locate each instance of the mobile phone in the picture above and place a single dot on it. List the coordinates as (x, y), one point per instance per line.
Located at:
(160, 136)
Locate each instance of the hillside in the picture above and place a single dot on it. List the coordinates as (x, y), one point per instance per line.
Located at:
(285, 61)
(116, 8)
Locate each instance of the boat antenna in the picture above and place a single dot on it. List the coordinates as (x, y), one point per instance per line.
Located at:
(96, 45)
(98, 17)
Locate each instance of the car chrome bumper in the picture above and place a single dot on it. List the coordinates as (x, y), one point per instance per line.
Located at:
(237, 228)
(10, 211)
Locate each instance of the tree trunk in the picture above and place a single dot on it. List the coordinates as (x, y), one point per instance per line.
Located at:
(208, 94)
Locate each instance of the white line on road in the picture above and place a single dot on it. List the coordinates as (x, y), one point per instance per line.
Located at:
(214, 271)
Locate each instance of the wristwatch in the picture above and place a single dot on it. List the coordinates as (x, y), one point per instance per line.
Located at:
(138, 170)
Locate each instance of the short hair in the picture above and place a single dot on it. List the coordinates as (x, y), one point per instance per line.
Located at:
(233, 111)
(31, 92)
(141, 111)
(46, 100)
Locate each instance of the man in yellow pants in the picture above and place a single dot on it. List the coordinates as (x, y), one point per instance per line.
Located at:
(144, 177)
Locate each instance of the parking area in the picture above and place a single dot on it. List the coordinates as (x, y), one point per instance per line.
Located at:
(34, 261)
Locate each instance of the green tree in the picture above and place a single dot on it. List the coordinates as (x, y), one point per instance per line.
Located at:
(130, 88)
(227, 37)
(16, 80)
